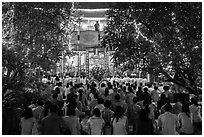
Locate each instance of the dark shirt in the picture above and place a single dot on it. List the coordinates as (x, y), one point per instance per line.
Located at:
(53, 125)
(145, 127)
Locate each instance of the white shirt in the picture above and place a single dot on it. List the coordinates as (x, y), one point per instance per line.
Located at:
(168, 122)
(186, 124)
(195, 110)
(155, 95)
(119, 128)
(96, 125)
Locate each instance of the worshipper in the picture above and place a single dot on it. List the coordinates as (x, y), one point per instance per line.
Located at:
(168, 123)
(145, 125)
(184, 117)
(83, 99)
(96, 123)
(118, 102)
(38, 113)
(120, 122)
(155, 94)
(93, 103)
(100, 105)
(196, 113)
(47, 107)
(107, 114)
(106, 95)
(133, 112)
(28, 123)
(53, 124)
(84, 124)
(129, 96)
(72, 122)
(102, 89)
(177, 107)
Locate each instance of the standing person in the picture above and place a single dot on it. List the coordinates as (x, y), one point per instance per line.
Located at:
(102, 89)
(96, 123)
(185, 121)
(107, 114)
(72, 122)
(177, 107)
(106, 95)
(118, 102)
(155, 94)
(120, 122)
(168, 123)
(133, 112)
(195, 110)
(83, 99)
(100, 105)
(53, 124)
(145, 125)
(28, 122)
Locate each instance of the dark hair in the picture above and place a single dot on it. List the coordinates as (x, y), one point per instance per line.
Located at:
(155, 87)
(135, 99)
(80, 94)
(166, 87)
(103, 85)
(39, 102)
(67, 85)
(130, 89)
(47, 107)
(107, 103)
(145, 89)
(194, 101)
(28, 113)
(57, 90)
(96, 112)
(186, 110)
(106, 92)
(96, 95)
(117, 97)
(119, 113)
(100, 100)
(168, 107)
(55, 95)
(144, 114)
(71, 112)
(54, 108)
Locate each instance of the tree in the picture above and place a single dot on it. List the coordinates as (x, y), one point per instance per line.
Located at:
(163, 38)
(34, 35)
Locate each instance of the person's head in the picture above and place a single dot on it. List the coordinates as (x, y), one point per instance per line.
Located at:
(119, 112)
(185, 108)
(166, 88)
(168, 107)
(57, 90)
(72, 90)
(144, 114)
(107, 103)
(155, 88)
(71, 112)
(28, 113)
(96, 112)
(96, 96)
(135, 99)
(67, 85)
(54, 96)
(54, 108)
(130, 89)
(103, 85)
(145, 89)
(163, 97)
(117, 97)
(100, 100)
(106, 92)
(139, 88)
(194, 101)
(39, 102)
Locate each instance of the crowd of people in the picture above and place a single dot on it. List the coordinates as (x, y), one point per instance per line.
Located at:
(110, 108)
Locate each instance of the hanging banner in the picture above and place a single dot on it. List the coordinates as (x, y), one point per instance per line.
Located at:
(89, 38)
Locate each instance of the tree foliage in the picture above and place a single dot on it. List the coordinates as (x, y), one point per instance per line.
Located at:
(34, 35)
(161, 38)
